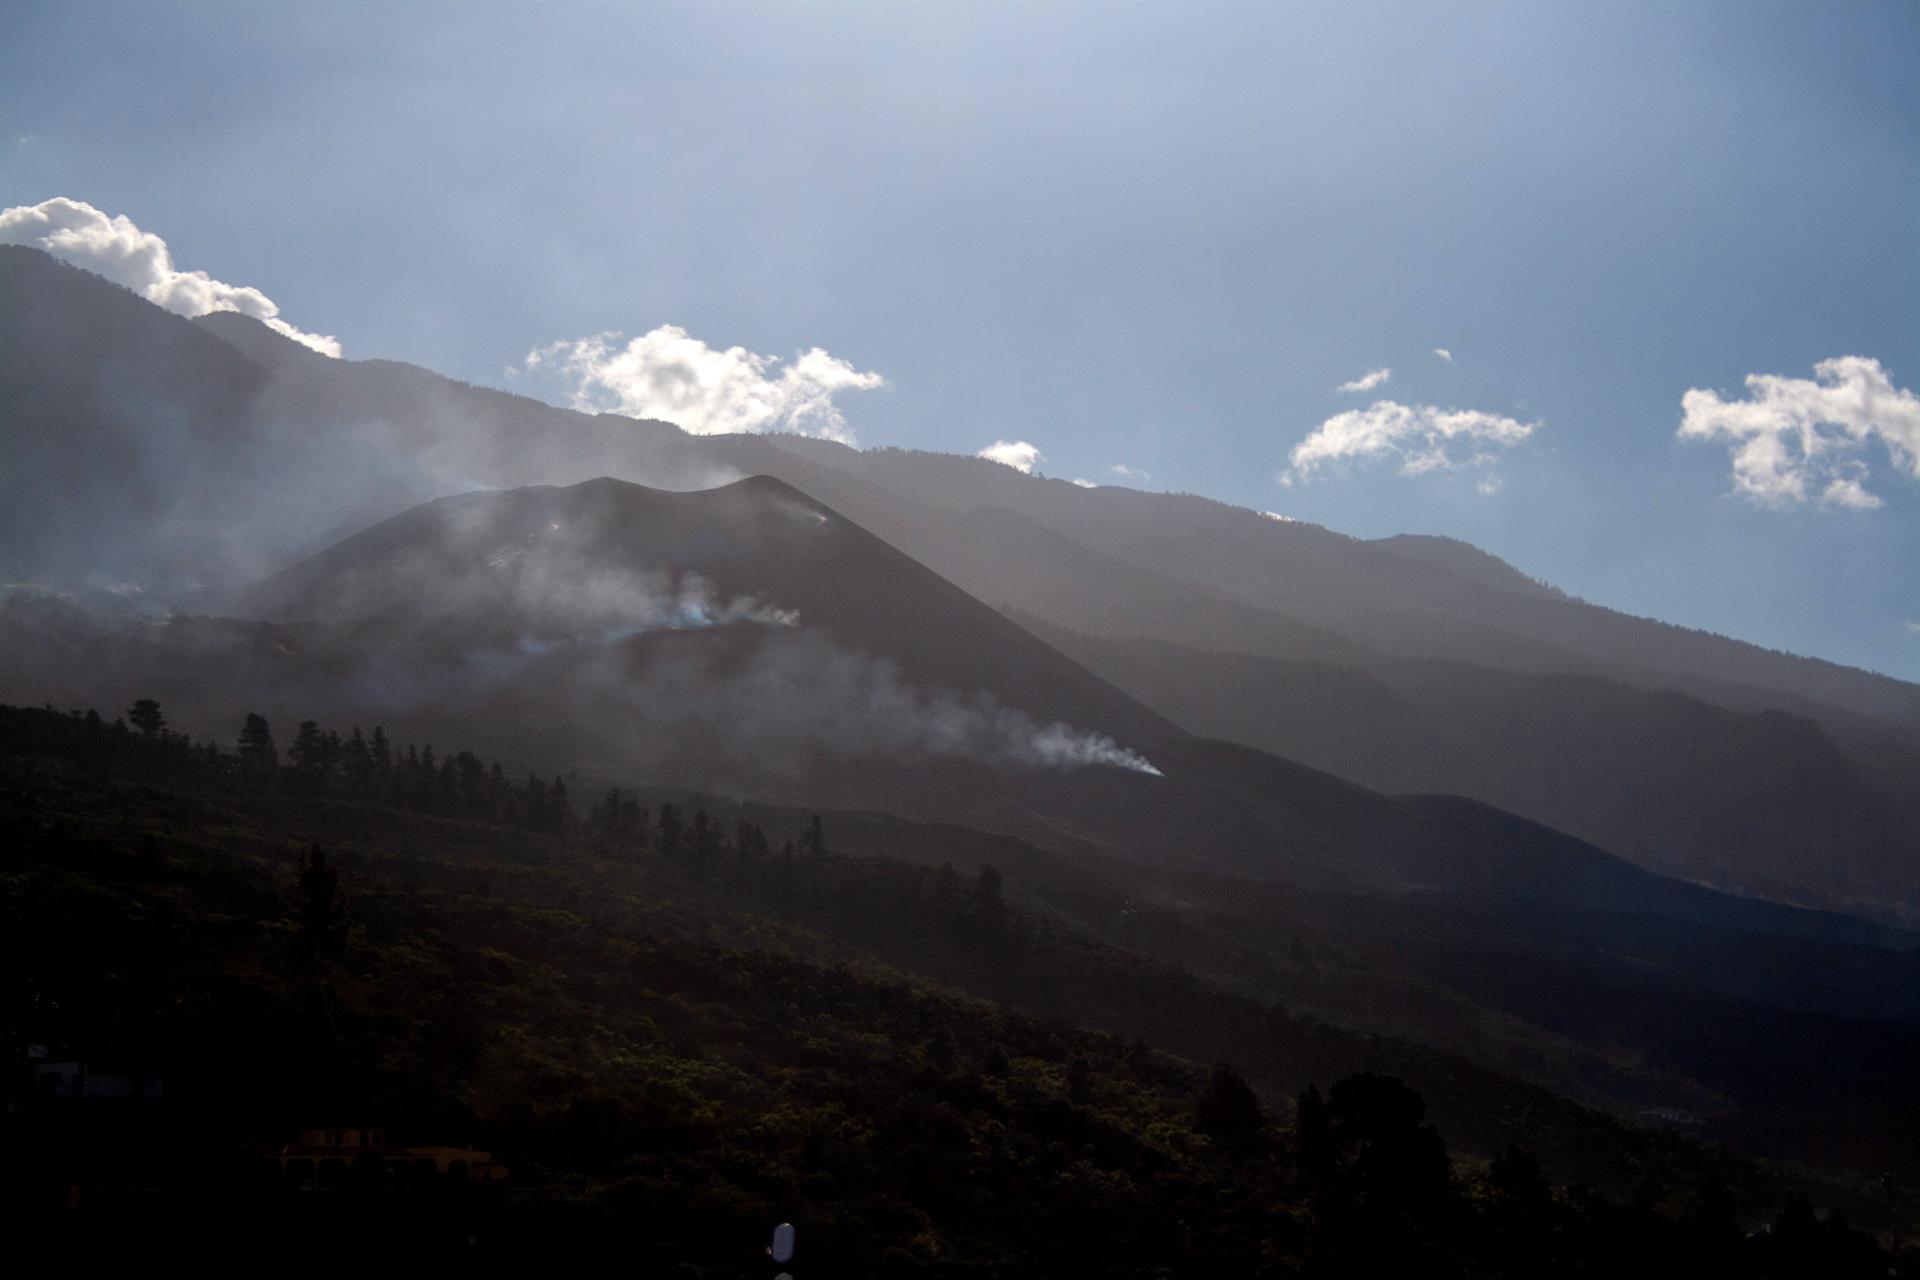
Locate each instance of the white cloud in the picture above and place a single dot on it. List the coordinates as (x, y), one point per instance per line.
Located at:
(117, 249)
(1084, 484)
(1276, 516)
(1366, 381)
(1424, 437)
(1444, 354)
(1795, 439)
(1489, 485)
(1017, 454)
(1913, 628)
(670, 375)
(1126, 472)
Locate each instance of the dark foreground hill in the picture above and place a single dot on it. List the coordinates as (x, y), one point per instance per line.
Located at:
(674, 1035)
(608, 560)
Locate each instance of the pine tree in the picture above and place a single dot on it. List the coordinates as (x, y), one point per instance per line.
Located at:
(471, 797)
(947, 908)
(670, 829)
(381, 752)
(499, 795)
(536, 816)
(356, 761)
(783, 881)
(258, 756)
(305, 753)
(146, 717)
(603, 819)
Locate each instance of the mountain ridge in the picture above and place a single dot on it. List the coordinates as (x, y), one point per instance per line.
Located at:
(368, 438)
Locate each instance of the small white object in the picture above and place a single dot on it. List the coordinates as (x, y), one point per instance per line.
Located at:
(782, 1249)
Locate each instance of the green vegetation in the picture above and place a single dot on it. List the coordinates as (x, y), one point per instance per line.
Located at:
(678, 1029)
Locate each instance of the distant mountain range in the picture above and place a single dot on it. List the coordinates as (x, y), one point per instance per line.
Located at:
(268, 502)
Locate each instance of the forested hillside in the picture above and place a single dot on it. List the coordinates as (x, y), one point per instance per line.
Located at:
(676, 1030)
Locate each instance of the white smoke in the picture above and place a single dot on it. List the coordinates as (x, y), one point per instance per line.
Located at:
(1061, 746)
(797, 692)
(537, 578)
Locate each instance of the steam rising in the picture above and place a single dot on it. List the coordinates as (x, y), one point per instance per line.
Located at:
(531, 580)
(550, 627)
(796, 691)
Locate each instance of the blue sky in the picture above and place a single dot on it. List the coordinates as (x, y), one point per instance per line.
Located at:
(1147, 236)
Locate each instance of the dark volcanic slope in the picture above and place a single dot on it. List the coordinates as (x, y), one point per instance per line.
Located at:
(749, 637)
(609, 554)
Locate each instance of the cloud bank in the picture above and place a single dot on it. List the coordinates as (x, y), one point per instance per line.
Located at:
(1017, 454)
(1424, 437)
(670, 375)
(76, 232)
(1366, 381)
(1795, 440)
(1444, 354)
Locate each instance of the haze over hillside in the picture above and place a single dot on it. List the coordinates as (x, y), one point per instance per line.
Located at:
(1403, 664)
(961, 641)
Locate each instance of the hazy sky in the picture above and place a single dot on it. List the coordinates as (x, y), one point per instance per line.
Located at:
(1147, 237)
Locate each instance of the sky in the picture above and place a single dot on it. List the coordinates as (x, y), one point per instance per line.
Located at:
(1628, 295)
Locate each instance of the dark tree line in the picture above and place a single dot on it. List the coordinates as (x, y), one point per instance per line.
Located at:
(360, 766)
(370, 767)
